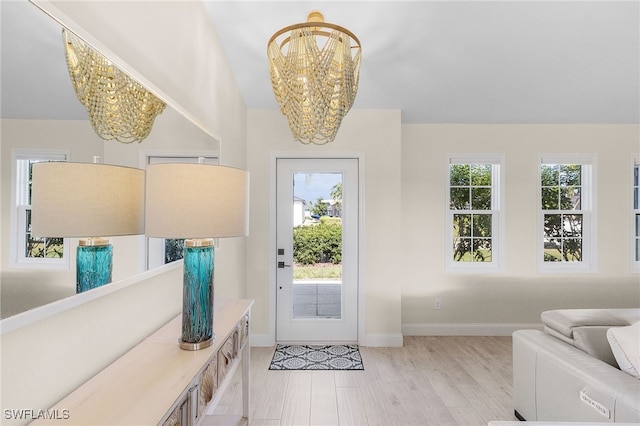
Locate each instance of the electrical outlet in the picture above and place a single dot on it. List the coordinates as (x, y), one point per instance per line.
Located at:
(438, 304)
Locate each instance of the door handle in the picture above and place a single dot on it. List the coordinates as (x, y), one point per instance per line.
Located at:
(282, 265)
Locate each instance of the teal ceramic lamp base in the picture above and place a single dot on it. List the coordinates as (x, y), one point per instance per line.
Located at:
(94, 263)
(197, 296)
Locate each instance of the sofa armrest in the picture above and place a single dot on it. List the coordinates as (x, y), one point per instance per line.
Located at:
(553, 381)
(524, 375)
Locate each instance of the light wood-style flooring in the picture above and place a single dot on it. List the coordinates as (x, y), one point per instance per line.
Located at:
(430, 381)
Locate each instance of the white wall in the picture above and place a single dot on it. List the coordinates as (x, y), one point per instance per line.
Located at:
(404, 275)
(497, 303)
(375, 134)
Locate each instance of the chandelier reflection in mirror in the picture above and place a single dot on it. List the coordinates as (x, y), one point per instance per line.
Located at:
(119, 108)
(314, 69)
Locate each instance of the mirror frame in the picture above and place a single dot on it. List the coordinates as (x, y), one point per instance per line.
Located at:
(26, 318)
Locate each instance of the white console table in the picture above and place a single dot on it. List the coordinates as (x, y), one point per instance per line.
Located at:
(157, 383)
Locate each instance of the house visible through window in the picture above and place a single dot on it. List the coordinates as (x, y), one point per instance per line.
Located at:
(566, 210)
(30, 250)
(474, 207)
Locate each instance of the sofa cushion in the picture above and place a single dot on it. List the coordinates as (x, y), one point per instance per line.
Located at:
(593, 340)
(625, 345)
(564, 321)
(586, 329)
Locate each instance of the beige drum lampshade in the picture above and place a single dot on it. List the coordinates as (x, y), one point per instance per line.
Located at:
(86, 200)
(196, 201)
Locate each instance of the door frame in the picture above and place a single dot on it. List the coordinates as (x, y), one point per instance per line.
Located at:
(294, 155)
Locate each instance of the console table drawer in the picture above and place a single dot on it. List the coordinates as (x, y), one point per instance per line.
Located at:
(226, 355)
(175, 418)
(244, 331)
(181, 415)
(208, 385)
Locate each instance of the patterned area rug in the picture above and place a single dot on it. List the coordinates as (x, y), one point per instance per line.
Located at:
(316, 357)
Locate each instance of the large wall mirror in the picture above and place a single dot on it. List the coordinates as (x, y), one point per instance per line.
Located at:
(39, 111)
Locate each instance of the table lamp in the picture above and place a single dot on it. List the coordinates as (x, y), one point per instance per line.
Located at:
(88, 201)
(198, 202)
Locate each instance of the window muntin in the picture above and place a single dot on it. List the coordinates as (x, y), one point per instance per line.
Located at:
(469, 197)
(561, 200)
(39, 247)
(565, 204)
(473, 213)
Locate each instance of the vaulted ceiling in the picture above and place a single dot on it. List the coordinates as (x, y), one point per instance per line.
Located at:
(436, 61)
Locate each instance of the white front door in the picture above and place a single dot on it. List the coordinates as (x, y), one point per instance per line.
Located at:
(317, 243)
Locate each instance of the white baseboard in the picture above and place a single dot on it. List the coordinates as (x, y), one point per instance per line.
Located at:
(466, 329)
(439, 329)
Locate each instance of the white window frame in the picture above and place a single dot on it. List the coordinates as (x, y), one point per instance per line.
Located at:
(635, 210)
(497, 215)
(19, 208)
(155, 247)
(588, 264)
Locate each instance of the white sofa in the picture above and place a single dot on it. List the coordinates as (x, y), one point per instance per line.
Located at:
(568, 373)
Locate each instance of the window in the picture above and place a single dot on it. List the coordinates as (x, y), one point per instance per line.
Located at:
(566, 214)
(28, 250)
(635, 217)
(473, 217)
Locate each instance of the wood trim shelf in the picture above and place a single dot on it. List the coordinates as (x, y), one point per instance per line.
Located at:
(150, 384)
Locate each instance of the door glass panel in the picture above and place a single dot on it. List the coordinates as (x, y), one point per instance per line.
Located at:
(317, 245)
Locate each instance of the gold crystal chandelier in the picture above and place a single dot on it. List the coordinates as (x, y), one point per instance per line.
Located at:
(314, 70)
(119, 108)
